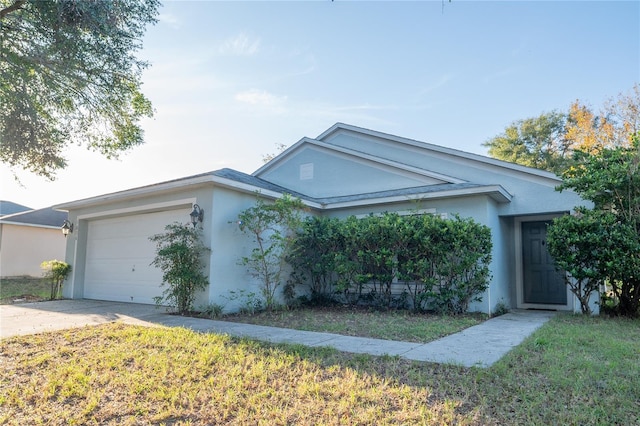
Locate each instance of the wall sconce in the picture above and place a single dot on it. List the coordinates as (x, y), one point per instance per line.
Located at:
(197, 215)
(67, 228)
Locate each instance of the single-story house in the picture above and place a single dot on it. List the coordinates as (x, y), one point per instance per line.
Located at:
(345, 171)
(29, 237)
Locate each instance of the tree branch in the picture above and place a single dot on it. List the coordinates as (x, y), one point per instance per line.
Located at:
(15, 6)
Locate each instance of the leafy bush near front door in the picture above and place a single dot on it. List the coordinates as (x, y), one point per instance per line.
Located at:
(179, 254)
(432, 263)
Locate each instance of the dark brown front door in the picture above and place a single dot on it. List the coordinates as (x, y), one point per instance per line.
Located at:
(542, 284)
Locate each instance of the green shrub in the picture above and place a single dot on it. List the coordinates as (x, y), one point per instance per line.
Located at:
(179, 254)
(56, 271)
(441, 263)
(272, 226)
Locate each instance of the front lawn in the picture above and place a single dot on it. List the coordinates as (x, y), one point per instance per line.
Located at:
(363, 322)
(573, 371)
(24, 289)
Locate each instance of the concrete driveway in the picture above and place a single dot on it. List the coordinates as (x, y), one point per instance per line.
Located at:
(32, 318)
(477, 346)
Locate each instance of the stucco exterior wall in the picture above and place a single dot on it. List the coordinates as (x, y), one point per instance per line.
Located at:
(229, 245)
(532, 194)
(23, 248)
(316, 173)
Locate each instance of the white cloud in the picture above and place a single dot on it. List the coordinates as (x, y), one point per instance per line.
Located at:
(240, 45)
(260, 97)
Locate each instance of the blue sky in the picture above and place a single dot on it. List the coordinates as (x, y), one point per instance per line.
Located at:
(231, 80)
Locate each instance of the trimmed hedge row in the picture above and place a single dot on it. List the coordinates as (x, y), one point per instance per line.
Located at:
(423, 262)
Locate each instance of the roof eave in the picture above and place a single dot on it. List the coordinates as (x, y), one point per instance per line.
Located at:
(496, 192)
(194, 181)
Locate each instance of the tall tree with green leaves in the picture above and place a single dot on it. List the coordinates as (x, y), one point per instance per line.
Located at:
(549, 141)
(603, 243)
(534, 142)
(69, 75)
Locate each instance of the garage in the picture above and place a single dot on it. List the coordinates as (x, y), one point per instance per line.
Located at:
(119, 255)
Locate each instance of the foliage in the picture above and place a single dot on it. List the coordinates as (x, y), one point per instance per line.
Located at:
(56, 271)
(609, 248)
(439, 264)
(534, 142)
(575, 244)
(313, 253)
(618, 121)
(549, 141)
(250, 303)
(179, 254)
(68, 75)
(272, 227)
(212, 310)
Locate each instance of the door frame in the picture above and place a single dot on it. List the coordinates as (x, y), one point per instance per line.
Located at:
(520, 304)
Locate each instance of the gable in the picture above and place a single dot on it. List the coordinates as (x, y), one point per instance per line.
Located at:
(437, 159)
(318, 170)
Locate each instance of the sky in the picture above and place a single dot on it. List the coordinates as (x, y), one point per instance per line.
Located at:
(231, 81)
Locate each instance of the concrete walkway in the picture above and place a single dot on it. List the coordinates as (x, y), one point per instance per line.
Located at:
(480, 345)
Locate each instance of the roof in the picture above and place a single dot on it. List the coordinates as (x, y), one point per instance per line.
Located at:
(249, 183)
(338, 127)
(9, 207)
(254, 183)
(47, 217)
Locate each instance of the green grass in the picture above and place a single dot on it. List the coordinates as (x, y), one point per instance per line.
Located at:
(350, 321)
(572, 371)
(27, 288)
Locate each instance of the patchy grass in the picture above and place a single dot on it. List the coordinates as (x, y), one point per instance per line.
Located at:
(351, 321)
(574, 371)
(24, 289)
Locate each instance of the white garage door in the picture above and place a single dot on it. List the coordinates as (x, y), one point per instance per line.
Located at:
(119, 256)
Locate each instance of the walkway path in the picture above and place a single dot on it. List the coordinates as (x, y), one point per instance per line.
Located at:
(480, 345)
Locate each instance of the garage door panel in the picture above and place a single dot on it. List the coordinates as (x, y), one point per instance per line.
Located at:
(119, 255)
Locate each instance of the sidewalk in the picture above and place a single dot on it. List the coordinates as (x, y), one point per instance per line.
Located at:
(480, 345)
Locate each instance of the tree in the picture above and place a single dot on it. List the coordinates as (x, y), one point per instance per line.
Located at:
(280, 147)
(610, 179)
(68, 75)
(179, 254)
(534, 142)
(548, 142)
(272, 227)
(618, 121)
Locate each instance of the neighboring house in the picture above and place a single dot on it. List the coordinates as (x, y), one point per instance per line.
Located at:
(27, 238)
(8, 207)
(345, 171)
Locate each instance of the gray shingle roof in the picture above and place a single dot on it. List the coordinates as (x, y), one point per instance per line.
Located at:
(41, 217)
(9, 207)
(260, 183)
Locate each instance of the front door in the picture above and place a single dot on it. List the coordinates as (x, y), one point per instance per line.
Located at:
(542, 284)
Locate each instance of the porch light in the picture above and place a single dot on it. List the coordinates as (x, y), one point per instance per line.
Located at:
(197, 215)
(67, 228)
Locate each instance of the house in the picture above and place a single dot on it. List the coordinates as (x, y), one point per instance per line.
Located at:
(345, 171)
(29, 237)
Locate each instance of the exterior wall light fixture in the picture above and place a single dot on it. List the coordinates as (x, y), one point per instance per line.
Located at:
(67, 228)
(197, 215)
